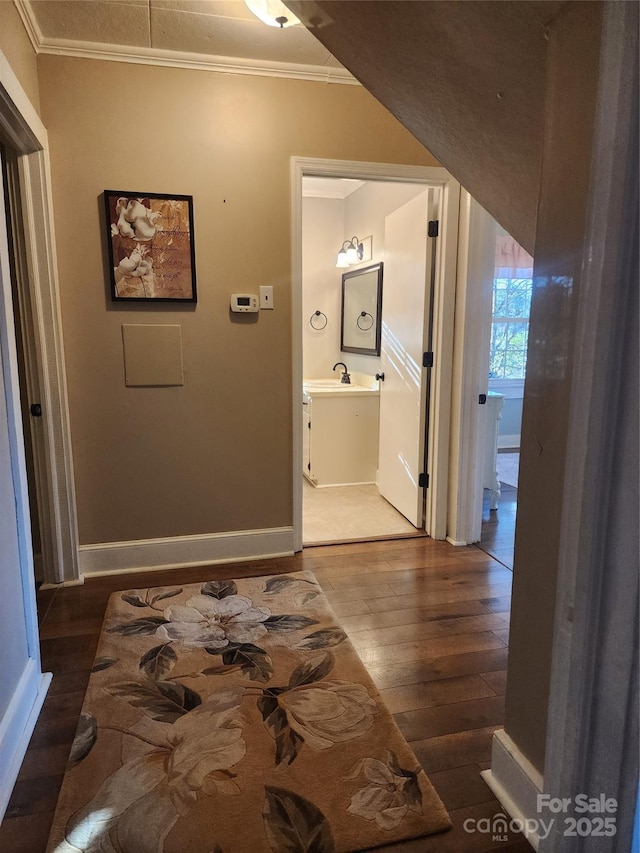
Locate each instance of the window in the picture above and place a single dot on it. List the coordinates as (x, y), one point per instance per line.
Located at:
(512, 287)
(510, 327)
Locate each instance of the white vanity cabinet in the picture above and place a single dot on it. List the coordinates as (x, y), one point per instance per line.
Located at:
(340, 439)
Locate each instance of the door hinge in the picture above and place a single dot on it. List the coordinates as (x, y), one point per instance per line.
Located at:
(434, 228)
(309, 424)
(423, 481)
(427, 359)
(308, 466)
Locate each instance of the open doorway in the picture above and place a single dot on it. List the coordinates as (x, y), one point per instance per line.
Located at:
(349, 491)
(402, 492)
(511, 299)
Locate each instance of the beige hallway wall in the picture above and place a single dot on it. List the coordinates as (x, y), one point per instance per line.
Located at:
(15, 45)
(215, 454)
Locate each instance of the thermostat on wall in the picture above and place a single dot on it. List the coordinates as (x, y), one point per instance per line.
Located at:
(244, 302)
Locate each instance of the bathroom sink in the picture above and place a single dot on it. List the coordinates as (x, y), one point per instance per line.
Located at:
(328, 385)
(333, 386)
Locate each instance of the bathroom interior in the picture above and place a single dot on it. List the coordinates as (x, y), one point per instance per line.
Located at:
(342, 501)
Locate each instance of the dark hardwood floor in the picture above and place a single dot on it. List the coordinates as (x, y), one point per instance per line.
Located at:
(498, 526)
(429, 620)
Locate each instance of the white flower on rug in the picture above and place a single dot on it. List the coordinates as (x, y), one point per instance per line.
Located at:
(391, 793)
(205, 622)
(206, 743)
(329, 712)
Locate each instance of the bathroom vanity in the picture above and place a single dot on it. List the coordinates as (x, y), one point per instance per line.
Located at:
(340, 432)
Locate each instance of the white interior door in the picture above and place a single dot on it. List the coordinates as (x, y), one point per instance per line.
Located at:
(406, 318)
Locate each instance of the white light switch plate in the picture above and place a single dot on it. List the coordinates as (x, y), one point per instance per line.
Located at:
(266, 296)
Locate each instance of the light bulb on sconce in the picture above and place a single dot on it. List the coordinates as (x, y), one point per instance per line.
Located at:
(351, 252)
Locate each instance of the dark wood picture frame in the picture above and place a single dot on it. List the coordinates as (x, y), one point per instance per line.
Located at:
(151, 246)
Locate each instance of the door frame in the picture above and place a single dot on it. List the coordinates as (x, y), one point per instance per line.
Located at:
(474, 297)
(443, 319)
(25, 133)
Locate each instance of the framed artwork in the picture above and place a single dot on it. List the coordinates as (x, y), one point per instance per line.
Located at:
(151, 249)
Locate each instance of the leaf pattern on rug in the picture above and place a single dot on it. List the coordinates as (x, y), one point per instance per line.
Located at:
(252, 661)
(144, 625)
(164, 701)
(149, 597)
(158, 661)
(103, 663)
(323, 639)
(295, 825)
(85, 738)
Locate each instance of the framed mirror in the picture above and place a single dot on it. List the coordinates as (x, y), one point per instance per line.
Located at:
(361, 320)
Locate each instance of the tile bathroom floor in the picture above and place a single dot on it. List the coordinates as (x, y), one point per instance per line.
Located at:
(350, 514)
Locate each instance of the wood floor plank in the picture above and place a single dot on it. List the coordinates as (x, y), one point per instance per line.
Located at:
(27, 834)
(497, 681)
(449, 666)
(413, 697)
(369, 621)
(350, 608)
(459, 787)
(377, 603)
(354, 593)
(451, 580)
(425, 649)
(454, 750)
(386, 573)
(447, 719)
(426, 630)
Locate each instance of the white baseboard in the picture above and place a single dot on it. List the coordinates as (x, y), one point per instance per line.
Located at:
(509, 442)
(17, 725)
(456, 542)
(516, 783)
(183, 551)
(75, 582)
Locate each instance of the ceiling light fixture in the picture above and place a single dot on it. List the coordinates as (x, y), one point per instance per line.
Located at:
(272, 12)
(351, 252)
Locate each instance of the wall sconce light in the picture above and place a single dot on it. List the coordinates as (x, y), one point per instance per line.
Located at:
(351, 252)
(272, 12)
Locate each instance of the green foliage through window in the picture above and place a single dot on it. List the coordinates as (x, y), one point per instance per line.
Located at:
(510, 327)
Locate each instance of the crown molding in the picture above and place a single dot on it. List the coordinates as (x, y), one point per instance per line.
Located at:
(30, 24)
(176, 59)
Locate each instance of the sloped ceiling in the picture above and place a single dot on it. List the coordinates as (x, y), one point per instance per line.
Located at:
(467, 78)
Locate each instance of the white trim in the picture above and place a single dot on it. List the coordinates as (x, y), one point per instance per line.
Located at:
(458, 543)
(28, 136)
(472, 335)
(444, 316)
(17, 725)
(137, 55)
(18, 117)
(182, 551)
(511, 389)
(516, 783)
(76, 582)
(509, 442)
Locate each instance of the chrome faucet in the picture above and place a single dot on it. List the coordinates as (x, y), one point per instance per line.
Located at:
(345, 378)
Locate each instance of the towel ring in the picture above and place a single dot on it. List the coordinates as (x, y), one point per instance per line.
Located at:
(364, 328)
(316, 326)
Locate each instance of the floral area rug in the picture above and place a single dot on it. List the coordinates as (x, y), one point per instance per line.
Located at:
(236, 717)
